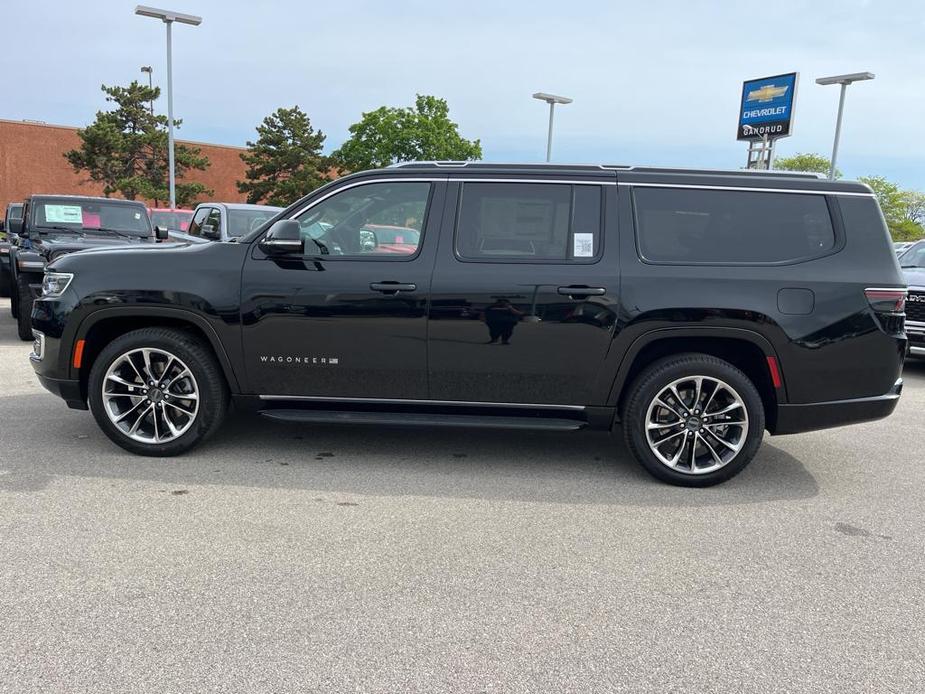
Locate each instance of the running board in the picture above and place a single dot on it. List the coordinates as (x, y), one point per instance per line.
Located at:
(423, 419)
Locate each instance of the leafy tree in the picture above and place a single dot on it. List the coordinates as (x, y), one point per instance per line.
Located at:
(126, 149)
(388, 135)
(893, 203)
(285, 162)
(810, 162)
(914, 206)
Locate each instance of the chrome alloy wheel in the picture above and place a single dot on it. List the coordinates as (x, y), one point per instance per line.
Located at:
(696, 425)
(150, 395)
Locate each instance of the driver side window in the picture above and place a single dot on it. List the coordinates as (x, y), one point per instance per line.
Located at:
(374, 220)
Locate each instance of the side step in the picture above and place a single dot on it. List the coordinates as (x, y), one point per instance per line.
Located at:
(423, 419)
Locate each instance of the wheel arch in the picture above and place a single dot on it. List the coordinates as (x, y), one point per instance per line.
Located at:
(745, 349)
(103, 325)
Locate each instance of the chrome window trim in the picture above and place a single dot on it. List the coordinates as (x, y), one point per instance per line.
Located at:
(746, 189)
(401, 401)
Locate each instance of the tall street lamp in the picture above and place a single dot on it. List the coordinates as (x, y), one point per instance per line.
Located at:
(150, 71)
(169, 17)
(844, 81)
(552, 100)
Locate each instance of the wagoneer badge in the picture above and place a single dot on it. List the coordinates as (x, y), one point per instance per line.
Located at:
(307, 361)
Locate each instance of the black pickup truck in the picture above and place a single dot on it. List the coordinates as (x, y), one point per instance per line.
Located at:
(54, 225)
(694, 309)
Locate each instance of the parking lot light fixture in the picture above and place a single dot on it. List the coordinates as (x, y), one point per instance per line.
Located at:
(169, 17)
(552, 100)
(844, 81)
(150, 70)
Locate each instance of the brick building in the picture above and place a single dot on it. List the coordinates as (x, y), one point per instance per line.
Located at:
(32, 161)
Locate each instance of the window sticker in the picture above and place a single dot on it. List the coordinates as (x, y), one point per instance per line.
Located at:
(583, 245)
(63, 214)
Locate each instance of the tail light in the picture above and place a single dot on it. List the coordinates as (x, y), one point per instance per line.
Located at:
(886, 300)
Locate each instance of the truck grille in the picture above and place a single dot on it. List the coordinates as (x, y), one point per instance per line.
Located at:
(915, 306)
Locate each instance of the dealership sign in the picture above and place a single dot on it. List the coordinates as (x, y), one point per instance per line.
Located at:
(767, 107)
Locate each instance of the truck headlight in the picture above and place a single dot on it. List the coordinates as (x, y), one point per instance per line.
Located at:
(55, 283)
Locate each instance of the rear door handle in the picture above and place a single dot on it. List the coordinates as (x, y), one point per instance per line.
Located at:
(392, 287)
(574, 290)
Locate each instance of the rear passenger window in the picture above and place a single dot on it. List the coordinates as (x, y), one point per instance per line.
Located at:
(720, 226)
(529, 222)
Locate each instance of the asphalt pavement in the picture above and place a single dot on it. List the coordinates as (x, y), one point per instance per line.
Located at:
(289, 558)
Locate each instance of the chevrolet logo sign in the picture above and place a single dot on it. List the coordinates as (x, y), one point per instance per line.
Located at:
(767, 93)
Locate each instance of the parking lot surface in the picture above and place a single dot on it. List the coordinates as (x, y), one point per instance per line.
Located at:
(281, 557)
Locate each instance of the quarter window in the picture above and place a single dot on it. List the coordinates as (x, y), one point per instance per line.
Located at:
(376, 220)
(529, 222)
(679, 225)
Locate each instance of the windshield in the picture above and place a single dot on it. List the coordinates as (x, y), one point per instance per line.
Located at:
(175, 221)
(242, 222)
(87, 215)
(914, 257)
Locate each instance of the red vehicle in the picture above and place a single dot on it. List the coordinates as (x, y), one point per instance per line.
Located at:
(174, 219)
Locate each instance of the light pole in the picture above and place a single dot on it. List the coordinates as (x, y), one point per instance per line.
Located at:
(150, 71)
(169, 17)
(844, 81)
(552, 100)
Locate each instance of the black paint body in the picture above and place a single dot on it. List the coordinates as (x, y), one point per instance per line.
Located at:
(276, 323)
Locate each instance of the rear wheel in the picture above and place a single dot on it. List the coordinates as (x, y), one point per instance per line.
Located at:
(693, 420)
(157, 391)
(23, 308)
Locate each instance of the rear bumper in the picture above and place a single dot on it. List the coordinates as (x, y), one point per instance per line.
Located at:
(793, 419)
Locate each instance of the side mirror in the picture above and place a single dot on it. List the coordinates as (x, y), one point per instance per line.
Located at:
(16, 227)
(209, 231)
(161, 233)
(284, 237)
(2, 225)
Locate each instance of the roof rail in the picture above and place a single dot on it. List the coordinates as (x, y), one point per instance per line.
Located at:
(606, 167)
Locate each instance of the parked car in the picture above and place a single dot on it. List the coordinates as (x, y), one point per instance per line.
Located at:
(54, 225)
(224, 221)
(13, 214)
(695, 309)
(912, 262)
(173, 219)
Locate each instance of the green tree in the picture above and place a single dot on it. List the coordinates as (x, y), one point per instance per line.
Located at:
(125, 149)
(285, 162)
(388, 135)
(810, 162)
(914, 206)
(893, 202)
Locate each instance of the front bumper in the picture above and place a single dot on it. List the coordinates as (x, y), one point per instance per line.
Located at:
(65, 389)
(794, 419)
(915, 331)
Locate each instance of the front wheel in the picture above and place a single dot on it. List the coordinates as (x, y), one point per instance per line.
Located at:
(157, 391)
(693, 420)
(5, 282)
(23, 308)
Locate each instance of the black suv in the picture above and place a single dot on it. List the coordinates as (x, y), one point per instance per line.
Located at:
(13, 215)
(53, 225)
(696, 309)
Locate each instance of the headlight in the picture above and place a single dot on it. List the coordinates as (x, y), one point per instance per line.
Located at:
(55, 283)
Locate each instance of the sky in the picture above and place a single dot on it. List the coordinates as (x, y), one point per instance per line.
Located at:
(655, 82)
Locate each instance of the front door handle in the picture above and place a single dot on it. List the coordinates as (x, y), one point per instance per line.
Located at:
(575, 290)
(392, 287)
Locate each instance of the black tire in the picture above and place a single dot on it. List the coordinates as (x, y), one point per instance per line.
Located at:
(23, 308)
(701, 429)
(5, 282)
(209, 380)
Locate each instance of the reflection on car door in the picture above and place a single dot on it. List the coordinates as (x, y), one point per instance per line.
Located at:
(345, 320)
(524, 293)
